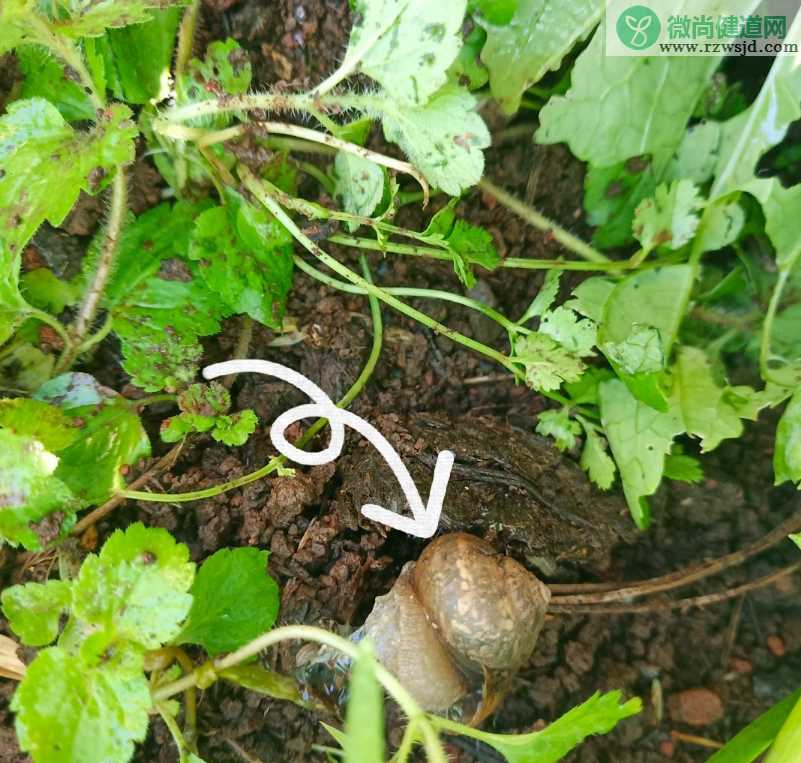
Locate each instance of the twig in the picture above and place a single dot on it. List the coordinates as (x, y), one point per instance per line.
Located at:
(105, 263)
(679, 578)
(97, 514)
(538, 220)
(696, 601)
(242, 346)
(711, 744)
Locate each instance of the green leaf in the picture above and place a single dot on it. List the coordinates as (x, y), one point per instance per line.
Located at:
(683, 468)
(53, 428)
(749, 743)
(796, 538)
(521, 50)
(233, 601)
(29, 492)
(590, 297)
(67, 711)
(639, 353)
(787, 452)
(640, 437)
(244, 256)
(359, 185)
(46, 164)
(91, 18)
(574, 334)
(721, 225)
(254, 677)
(405, 45)
(235, 429)
(704, 404)
(137, 58)
(364, 720)
(546, 363)
(136, 588)
(557, 423)
(444, 138)
(33, 610)
(545, 296)
(45, 78)
(43, 290)
(596, 461)
(621, 107)
(598, 715)
(668, 219)
(205, 399)
(468, 70)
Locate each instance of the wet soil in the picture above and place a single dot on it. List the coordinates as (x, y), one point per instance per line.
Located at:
(746, 651)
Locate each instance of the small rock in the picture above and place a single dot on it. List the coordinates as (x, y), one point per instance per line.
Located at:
(696, 707)
(739, 665)
(667, 748)
(776, 645)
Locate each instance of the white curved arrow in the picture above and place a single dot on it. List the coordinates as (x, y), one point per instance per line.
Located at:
(425, 518)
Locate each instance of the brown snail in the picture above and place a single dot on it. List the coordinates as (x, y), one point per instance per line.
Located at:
(461, 611)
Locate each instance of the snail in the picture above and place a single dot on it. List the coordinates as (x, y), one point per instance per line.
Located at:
(460, 612)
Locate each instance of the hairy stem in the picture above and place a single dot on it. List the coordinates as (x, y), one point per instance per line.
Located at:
(105, 265)
(309, 633)
(538, 220)
(186, 37)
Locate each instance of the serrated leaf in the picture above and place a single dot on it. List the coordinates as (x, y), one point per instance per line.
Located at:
(53, 428)
(244, 256)
(67, 711)
(640, 437)
(545, 296)
(359, 185)
(787, 452)
(234, 429)
(597, 715)
(546, 364)
(405, 45)
(91, 18)
(683, 468)
(33, 610)
(520, 50)
(668, 219)
(578, 335)
(557, 423)
(596, 461)
(444, 138)
(205, 399)
(363, 741)
(234, 600)
(137, 588)
(29, 492)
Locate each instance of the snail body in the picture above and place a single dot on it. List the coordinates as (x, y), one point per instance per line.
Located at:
(462, 610)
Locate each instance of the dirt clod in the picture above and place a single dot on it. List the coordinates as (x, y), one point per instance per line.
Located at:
(696, 707)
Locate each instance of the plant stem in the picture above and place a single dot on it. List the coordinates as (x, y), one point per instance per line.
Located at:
(274, 463)
(309, 633)
(105, 266)
(186, 38)
(70, 54)
(767, 326)
(260, 190)
(538, 220)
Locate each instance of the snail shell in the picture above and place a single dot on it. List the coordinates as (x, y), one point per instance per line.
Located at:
(461, 609)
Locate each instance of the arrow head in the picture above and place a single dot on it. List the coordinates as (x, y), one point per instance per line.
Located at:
(425, 522)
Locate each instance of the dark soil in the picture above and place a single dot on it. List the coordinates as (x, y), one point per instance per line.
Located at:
(746, 651)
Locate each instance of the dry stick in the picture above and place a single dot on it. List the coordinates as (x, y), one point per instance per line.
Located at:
(83, 322)
(695, 601)
(97, 514)
(603, 592)
(711, 744)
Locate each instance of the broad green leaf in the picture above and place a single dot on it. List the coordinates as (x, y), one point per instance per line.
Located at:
(29, 492)
(91, 18)
(52, 427)
(244, 256)
(545, 296)
(137, 58)
(787, 452)
(796, 538)
(33, 610)
(590, 297)
(45, 78)
(45, 164)
(520, 50)
(364, 720)
(43, 290)
(137, 588)
(668, 219)
(621, 107)
(405, 45)
(596, 461)
(788, 741)
(556, 423)
(745, 137)
(749, 743)
(359, 185)
(546, 364)
(67, 711)
(704, 404)
(598, 715)
(683, 468)
(225, 70)
(467, 69)
(639, 353)
(782, 207)
(444, 138)
(233, 601)
(721, 225)
(640, 437)
(578, 335)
